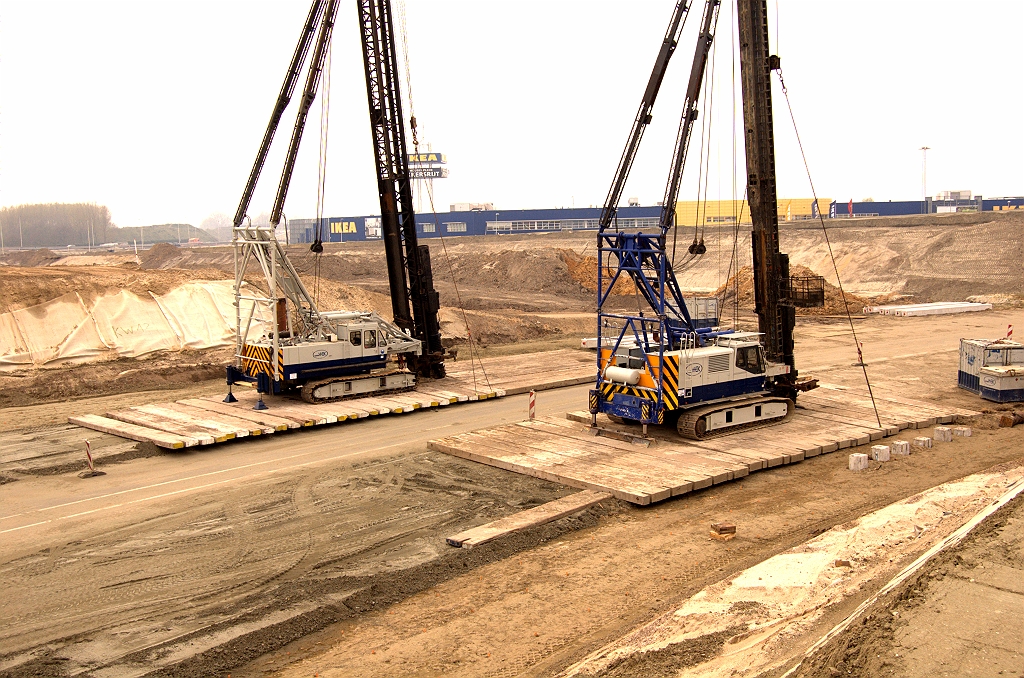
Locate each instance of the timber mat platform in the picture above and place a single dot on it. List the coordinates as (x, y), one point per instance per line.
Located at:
(564, 450)
(205, 421)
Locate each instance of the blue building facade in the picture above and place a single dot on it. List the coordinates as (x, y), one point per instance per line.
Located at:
(512, 222)
(840, 210)
(478, 222)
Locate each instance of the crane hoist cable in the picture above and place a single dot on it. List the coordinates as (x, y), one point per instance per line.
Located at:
(317, 247)
(734, 263)
(832, 256)
(697, 247)
(474, 355)
(707, 161)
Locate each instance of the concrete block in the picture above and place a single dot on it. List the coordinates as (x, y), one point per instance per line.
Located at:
(858, 462)
(922, 441)
(943, 434)
(880, 452)
(900, 447)
(964, 431)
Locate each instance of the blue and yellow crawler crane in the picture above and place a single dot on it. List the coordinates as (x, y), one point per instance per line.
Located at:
(659, 366)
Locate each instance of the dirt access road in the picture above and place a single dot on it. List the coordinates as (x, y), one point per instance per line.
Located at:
(324, 551)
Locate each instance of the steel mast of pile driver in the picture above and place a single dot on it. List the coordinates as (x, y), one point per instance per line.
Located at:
(329, 355)
(663, 366)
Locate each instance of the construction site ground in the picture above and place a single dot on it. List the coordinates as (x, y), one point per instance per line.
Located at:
(323, 553)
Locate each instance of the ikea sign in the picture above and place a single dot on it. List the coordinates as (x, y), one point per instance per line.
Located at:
(343, 226)
(421, 158)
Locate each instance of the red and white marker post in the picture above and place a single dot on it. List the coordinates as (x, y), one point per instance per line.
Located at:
(533, 405)
(88, 456)
(1009, 331)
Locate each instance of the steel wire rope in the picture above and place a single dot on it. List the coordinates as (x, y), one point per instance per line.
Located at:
(709, 107)
(734, 263)
(321, 184)
(828, 243)
(700, 173)
(703, 175)
(703, 169)
(430, 197)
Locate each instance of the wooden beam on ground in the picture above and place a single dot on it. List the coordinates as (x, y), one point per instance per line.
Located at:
(538, 515)
(280, 407)
(443, 398)
(229, 421)
(202, 435)
(202, 421)
(545, 466)
(261, 418)
(453, 396)
(133, 431)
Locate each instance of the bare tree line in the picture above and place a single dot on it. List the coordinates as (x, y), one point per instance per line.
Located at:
(82, 225)
(56, 225)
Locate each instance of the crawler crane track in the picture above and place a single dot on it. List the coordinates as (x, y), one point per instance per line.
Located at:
(692, 424)
(309, 389)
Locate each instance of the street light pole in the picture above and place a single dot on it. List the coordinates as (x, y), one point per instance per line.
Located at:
(924, 170)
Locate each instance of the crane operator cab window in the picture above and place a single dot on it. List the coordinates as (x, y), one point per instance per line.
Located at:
(370, 338)
(748, 358)
(355, 337)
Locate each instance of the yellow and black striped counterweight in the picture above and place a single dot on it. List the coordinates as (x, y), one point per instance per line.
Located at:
(256, 360)
(667, 369)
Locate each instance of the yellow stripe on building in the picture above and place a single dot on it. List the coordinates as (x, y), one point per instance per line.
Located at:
(726, 212)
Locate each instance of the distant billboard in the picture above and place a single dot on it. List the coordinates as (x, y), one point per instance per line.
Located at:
(372, 225)
(426, 158)
(428, 173)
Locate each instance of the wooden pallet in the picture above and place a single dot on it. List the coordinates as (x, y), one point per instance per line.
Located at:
(206, 421)
(564, 450)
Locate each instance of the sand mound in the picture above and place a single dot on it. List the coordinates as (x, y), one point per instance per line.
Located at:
(40, 257)
(25, 287)
(833, 298)
(583, 269)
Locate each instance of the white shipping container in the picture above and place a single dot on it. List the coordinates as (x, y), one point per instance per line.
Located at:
(978, 353)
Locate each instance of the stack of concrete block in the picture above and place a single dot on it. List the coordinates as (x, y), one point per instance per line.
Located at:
(880, 452)
(943, 434)
(858, 462)
(922, 441)
(964, 431)
(900, 447)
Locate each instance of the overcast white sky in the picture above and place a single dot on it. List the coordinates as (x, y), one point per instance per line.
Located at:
(155, 109)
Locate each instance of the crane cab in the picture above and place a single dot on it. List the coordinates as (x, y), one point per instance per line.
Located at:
(353, 343)
(646, 385)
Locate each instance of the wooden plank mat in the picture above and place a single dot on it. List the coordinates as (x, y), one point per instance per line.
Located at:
(208, 420)
(538, 515)
(261, 418)
(201, 434)
(564, 450)
(133, 431)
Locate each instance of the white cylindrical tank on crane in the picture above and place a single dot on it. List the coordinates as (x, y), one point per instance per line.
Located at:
(622, 375)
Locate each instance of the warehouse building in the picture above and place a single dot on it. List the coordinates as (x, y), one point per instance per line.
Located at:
(945, 202)
(483, 220)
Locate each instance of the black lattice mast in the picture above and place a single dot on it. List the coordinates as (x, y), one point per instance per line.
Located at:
(409, 270)
(771, 268)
